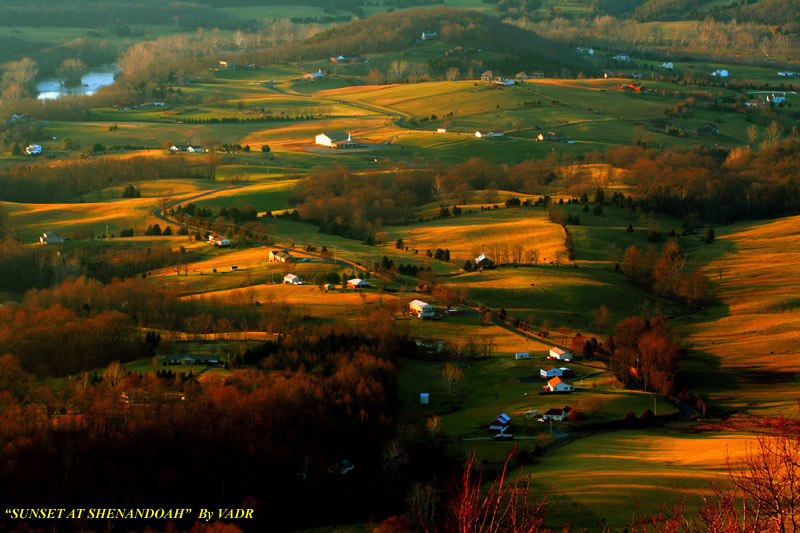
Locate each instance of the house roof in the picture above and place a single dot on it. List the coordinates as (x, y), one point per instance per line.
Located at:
(358, 282)
(290, 276)
(335, 135)
(557, 350)
(554, 411)
(418, 303)
(482, 257)
(557, 380)
(548, 368)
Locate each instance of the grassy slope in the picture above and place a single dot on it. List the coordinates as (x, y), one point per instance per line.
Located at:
(607, 476)
(744, 353)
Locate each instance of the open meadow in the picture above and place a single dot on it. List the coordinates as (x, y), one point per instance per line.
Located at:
(744, 349)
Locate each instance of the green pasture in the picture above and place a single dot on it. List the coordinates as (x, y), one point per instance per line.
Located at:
(81, 219)
(264, 196)
(742, 353)
(149, 134)
(492, 386)
(456, 147)
(615, 475)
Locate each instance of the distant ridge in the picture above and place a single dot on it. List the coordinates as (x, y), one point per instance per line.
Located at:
(399, 30)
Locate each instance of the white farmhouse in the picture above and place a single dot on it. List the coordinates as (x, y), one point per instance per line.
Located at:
(357, 283)
(561, 355)
(557, 414)
(550, 372)
(292, 279)
(421, 309)
(558, 385)
(50, 237)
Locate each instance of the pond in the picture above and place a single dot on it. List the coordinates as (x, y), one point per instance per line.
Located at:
(90, 82)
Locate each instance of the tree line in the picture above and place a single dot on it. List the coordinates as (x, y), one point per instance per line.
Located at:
(274, 435)
(717, 186)
(96, 14)
(62, 182)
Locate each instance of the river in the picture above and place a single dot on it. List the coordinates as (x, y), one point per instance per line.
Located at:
(90, 82)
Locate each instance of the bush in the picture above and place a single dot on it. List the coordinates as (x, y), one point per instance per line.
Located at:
(598, 209)
(709, 237)
(629, 229)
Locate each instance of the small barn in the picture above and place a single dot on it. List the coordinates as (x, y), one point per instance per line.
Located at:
(500, 424)
(421, 309)
(708, 130)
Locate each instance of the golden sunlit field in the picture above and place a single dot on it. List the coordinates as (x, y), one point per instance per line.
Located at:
(744, 350)
(610, 479)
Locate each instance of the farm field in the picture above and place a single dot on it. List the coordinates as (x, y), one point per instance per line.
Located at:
(644, 468)
(744, 349)
(80, 220)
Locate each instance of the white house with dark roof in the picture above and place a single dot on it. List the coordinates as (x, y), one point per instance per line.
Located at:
(557, 414)
(50, 237)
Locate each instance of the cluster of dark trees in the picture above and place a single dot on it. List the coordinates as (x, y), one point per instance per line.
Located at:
(665, 273)
(269, 438)
(648, 350)
(773, 13)
(63, 182)
(716, 185)
(58, 341)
